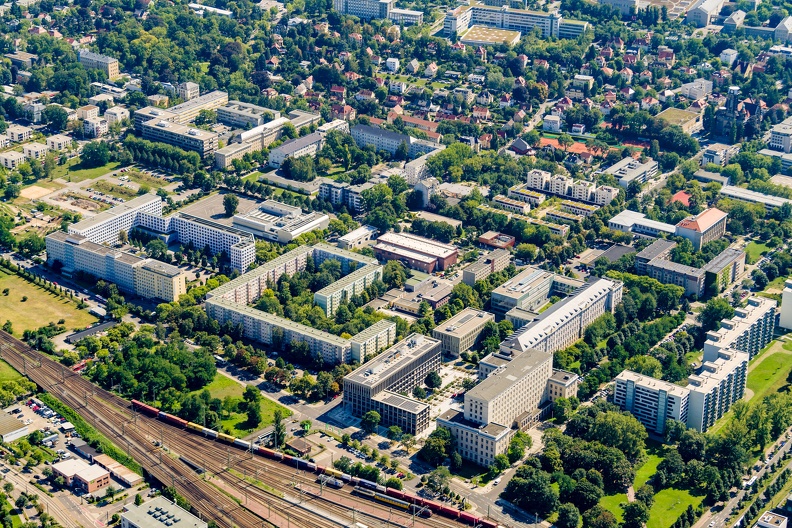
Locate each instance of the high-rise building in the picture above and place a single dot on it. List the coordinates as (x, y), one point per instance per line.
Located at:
(749, 331)
(653, 402)
(785, 320)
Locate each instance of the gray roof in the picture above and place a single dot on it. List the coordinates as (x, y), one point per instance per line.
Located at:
(160, 512)
(381, 132)
(677, 268)
(656, 248)
(118, 210)
(9, 424)
(371, 331)
(293, 145)
(400, 402)
(725, 258)
(500, 380)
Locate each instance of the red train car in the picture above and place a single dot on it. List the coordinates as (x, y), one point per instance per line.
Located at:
(468, 518)
(175, 420)
(142, 407)
(486, 523)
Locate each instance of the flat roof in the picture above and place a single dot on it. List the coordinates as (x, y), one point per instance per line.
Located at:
(71, 466)
(526, 280)
(360, 232)
(617, 251)
(293, 145)
(413, 255)
(499, 380)
(92, 472)
(159, 512)
(656, 248)
(378, 327)
(724, 258)
(255, 273)
(162, 268)
(739, 193)
(400, 402)
(187, 106)
(118, 210)
(485, 34)
(630, 218)
(464, 322)
(457, 418)
(676, 116)
(642, 380)
(9, 424)
(677, 268)
(344, 281)
(405, 351)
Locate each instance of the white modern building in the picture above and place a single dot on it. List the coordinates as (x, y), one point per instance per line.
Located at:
(629, 170)
(279, 222)
(653, 402)
(749, 331)
(785, 319)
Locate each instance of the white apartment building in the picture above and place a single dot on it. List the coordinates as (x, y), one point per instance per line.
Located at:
(697, 89)
(629, 169)
(95, 127)
(461, 332)
(749, 331)
(18, 133)
(59, 142)
(34, 151)
(334, 295)
(11, 159)
(372, 340)
(117, 114)
(785, 319)
(88, 111)
(389, 141)
(653, 402)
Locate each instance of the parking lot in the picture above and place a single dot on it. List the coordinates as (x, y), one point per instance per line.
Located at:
(47, 421)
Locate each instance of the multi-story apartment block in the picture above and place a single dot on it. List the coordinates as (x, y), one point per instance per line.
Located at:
(188, 91)
(365, 9)
(785, 317)
(11, 159)
(334, 295)
(34, 151)
(629, 170)
(117, 114)
(577, 208)
(144, 277)
(749, 331)
(59, 142)
(510, 204)
(660, 248)
(224, 157)
(294, 148)
(530, 289)
(461, 332)
(653, 402)
(690, 278)
(709, 394)
(486, 265)
(520, 193)
(18, 133)
(189, 110)
(566, 321)
(95, 127)
(705, 227)
(95, 61)
(781, 136)
(241, 115)
(105, 226)
(230, 301)
(416, 170)
(372, 340)
(88, 111)
(378, 384)
(185, 137)
(724, 269)
(390, 141)
(564, 186)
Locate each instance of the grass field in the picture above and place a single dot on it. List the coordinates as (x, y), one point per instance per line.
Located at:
(8, 373)
(645, 472)
(113, 189)
(755, 250)
(73, 171)
(40, 308)
(252, 177)
(668, 505)
(236, 425)
(613, 503)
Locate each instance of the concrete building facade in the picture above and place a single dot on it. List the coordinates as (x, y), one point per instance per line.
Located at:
(461, 332)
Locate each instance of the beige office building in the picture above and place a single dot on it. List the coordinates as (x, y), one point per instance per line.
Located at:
(461, 332)
(157, 280)
(182, 136)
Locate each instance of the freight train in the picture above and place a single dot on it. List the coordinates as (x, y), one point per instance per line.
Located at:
(419, 504)
(397, 503)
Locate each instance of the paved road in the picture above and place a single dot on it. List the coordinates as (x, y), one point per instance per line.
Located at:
(717, 519)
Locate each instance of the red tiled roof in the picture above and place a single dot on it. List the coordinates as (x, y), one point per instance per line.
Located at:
(704, 221)
(681, 197)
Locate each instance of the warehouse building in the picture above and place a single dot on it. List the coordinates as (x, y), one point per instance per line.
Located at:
(378, 384)
(11, 428)
(461, 332)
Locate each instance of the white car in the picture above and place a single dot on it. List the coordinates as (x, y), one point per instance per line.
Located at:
(496, 482)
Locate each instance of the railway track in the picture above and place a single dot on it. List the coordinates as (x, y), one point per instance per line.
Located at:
(112, 416)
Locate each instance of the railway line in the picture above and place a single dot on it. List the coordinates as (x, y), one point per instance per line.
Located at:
(296, 500)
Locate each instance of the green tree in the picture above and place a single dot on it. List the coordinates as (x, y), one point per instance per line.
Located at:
(433, 380)
(157, 249)
(56, 117)
(568, 516)
(279, 428)
(395, 433)
(305, 425)
(95, 154)
(621, 431)
(646, 365)
(714, 311)
(230, 204)
(370, 422)
(635, 515)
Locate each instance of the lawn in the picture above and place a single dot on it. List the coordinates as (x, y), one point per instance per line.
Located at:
(8, 373)
(645, 472)
(612, 503)
(74, 172)
(223, 386)
(668, 505)
(252, 177)
(40, 308)
(117, 190)
(755, 250)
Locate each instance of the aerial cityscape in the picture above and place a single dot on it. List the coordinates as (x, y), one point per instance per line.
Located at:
(396, 263)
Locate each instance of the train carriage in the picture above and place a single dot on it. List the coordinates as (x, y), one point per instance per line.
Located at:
(195, 427)
(226, 438)
(242, 443)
